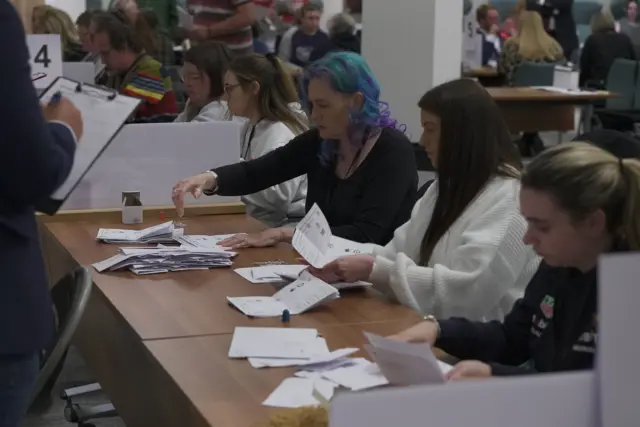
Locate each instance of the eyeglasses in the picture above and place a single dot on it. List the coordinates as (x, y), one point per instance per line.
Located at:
(229, 88)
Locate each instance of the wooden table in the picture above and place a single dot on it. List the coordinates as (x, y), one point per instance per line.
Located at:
(533, 110)
(158, 344)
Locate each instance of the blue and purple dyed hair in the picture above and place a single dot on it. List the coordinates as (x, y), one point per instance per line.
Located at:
(349, 73)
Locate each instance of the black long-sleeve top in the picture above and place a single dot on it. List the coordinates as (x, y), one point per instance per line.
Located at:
(366, 207)
(598, 54)
(552, 328)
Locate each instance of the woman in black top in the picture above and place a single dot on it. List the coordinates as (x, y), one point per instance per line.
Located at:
(580, 202)
(601, 48)
(361, 171)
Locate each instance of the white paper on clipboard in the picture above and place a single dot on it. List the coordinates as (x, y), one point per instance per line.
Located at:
(103, 114)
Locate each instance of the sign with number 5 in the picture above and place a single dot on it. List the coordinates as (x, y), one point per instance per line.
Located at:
(45, 58)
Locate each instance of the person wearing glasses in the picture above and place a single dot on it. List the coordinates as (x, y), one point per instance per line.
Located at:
(360, 169)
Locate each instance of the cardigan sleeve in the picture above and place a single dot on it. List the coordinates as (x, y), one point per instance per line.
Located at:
(489, 259)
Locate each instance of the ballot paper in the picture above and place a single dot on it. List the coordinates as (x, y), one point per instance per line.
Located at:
(361, 375)
(143, 261)
(284, 343)
(104, 112)
(297, 297)
(292, 275)
(300, 392)
(314, 242)
(271, 273)
(321, 359)
(161, 233)
(203, 241)
(406, 364)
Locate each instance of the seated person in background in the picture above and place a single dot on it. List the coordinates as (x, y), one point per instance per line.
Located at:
(83, 24)
(308, 37)
(131, 70)
(50, 20)
(461, 253)
(342, 37)
(532, 44)
(629, 25)
(580, 202)
(259, 46)
(601, 49)
(508, 29)
(488, 25)
(260, 90)
(361, 171)
(203, 73)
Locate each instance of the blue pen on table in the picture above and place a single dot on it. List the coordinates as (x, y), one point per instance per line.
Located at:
(286, 316)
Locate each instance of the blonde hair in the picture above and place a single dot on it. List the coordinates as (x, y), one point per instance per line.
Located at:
(602, 21)
(50, 20)
(583, 178)
(534, 43)
(302, 417)
(277, 89)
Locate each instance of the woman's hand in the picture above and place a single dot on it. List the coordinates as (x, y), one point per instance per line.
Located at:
(194, 185)
(268, 237)
(469, 370)
(423, 332)
(351, 268)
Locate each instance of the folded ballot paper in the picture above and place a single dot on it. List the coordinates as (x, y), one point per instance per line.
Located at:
(143, 261)
(315, 243)
(203, 241)
(162, 233)
(406, 364)
(283, 273)
(299, 296)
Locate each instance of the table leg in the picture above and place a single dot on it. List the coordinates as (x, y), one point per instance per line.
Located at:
(587, 117)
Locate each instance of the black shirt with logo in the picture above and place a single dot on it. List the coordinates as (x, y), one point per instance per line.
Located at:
(552, 328)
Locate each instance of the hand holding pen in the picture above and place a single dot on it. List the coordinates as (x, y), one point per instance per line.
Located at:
(60, 109)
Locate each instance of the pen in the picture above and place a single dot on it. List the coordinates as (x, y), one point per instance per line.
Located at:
(55, 98)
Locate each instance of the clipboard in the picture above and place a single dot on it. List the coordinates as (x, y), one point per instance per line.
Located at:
(104, 113)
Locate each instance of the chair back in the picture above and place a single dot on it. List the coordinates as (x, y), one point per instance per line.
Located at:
(584, 10)
(621, 80)
(534, 74)
(70, 297)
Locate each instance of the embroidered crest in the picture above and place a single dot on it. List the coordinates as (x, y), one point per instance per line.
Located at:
(546, 306)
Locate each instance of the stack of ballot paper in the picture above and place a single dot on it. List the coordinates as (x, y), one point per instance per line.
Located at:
(406, 364)
(315, 243)
(144, 261)
(297, 297)
(162, 233)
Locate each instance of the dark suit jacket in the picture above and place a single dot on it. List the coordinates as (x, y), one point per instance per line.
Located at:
(565, 31)
(35, 158)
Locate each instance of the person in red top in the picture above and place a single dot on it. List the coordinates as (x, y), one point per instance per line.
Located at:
(131, 70)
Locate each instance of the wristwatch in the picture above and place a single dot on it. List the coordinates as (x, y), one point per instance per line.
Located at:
(211, 191)
(431, 318)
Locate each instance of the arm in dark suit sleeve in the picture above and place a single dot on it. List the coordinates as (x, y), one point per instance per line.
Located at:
(278, 166)
(36, 157)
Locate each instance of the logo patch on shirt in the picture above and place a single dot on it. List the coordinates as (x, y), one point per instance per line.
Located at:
(546, 306)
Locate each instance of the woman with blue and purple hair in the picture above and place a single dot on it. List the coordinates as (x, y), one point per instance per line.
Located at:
(360, 169)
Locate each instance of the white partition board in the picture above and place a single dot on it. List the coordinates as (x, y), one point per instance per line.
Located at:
(83, 72)
(619, 340)
(151, 158)
(563, 400)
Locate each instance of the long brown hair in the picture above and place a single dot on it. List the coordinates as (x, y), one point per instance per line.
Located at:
(475, 146)
(582, 178)
(277, 89)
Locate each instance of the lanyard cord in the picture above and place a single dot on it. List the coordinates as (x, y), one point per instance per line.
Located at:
(247, 150)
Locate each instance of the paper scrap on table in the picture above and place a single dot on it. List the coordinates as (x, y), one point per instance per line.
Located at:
(271, 273)
(298, 297)
(360, 376)
(299, 392)
(404, 363)
(285, 343)
(315, 243)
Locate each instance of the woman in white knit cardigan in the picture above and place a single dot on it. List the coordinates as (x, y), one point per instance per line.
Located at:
(461, 253)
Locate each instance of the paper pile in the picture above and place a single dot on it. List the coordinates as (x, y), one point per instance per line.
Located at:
(282, 273)
(144, 261)
(203, 241)
(162, 233)
(297, 297)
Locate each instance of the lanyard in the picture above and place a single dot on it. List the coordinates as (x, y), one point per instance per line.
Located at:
(252, 133)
